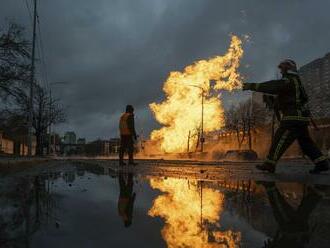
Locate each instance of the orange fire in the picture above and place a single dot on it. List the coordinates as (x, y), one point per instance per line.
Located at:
(191, 219)
(180, 112)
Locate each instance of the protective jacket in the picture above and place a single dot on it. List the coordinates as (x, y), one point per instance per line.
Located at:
(291, 95)
(126, 124)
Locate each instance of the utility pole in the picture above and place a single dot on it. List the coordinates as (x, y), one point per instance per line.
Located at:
(201, 135)
(32, 79)
(202, 124)
(50, 124)
(249, 121)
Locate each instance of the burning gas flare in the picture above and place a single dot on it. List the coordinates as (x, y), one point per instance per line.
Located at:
(191, 219)
(180, 112)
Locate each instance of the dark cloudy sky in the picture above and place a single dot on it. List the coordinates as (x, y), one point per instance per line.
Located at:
(114, 52)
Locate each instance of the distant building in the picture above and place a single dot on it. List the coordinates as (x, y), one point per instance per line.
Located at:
(55, 143)
(69, 145)
(14, 135)
(81, 141)
(114, 145)
(12, 143)
(70, 138)
(6, 145)
(98, 148)
(316, 79)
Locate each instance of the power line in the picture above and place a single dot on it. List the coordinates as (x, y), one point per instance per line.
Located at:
(42, 55)
(40, 46)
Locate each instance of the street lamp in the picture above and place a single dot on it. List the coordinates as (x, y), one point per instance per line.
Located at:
(202, 139)
(50, 124)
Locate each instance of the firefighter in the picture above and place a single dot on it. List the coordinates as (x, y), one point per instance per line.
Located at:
(295, 117)
(127, 135)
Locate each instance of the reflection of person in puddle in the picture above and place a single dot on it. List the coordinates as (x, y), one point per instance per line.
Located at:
(293, 227)
(126, 198)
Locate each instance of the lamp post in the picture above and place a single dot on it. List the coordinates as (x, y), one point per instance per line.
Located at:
(50, 124)
(202, 139)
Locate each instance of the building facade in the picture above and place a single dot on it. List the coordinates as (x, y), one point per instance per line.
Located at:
(114, 145)
(6, 145)
(81, 141)
(15, 145)
(70, 138)
(316, 80)
(98, 148)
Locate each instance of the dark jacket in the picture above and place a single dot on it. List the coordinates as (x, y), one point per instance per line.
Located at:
(291, 95)
(131, 125)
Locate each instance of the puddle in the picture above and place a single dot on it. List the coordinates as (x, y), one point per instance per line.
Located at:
(99, 208)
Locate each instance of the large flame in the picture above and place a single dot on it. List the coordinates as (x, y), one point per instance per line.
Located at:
(191, 219)
(181, 111)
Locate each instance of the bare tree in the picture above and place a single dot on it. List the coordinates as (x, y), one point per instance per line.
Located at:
(14, 60)
(46, 111)
(244, 119)
(235, 121)
(14, 82)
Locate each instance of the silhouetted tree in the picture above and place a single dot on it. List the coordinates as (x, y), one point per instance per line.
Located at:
(14, 60)
(14, 87)
(46, 111)
(244, 119)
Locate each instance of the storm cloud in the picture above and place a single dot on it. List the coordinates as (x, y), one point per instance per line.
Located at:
(119, 52)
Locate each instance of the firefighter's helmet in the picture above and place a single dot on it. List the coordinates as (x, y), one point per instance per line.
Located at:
(288, 64)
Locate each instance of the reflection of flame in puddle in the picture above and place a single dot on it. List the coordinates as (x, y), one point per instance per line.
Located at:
(181, 209)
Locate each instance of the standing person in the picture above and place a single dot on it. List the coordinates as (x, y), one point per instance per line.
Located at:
(127, 135)
(292, 104)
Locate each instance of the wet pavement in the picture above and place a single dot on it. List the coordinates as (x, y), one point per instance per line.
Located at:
(98, 206)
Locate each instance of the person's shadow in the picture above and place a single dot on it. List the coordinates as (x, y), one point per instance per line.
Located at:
(126, 198)
(293, 227)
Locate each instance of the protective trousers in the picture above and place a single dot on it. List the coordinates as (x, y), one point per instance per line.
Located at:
(286, 134)
(126, 145)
